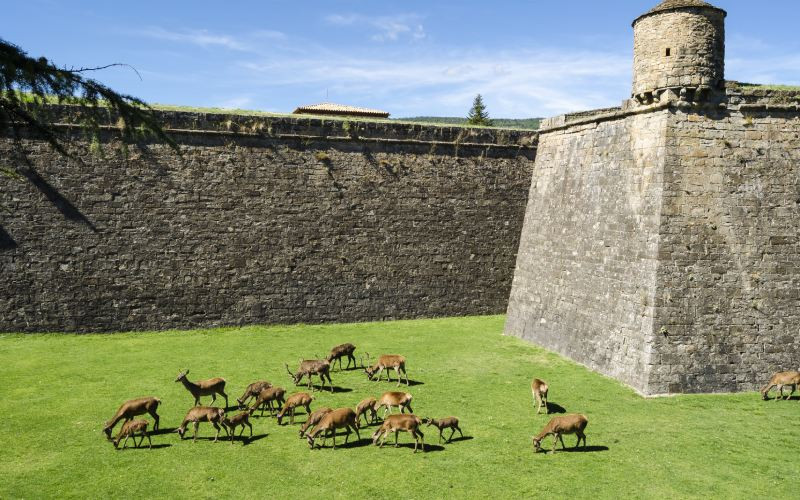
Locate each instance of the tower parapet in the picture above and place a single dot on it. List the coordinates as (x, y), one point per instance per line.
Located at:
(679, 50)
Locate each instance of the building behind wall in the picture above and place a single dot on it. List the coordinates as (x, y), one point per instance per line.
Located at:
(660, 242)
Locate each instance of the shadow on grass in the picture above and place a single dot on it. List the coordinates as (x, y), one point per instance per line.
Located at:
(582, 449)
(247, 440)
(336, 389)
(555, 408)
(163, 430)
(411, 383)
(460, 438)
(353, 443)
(428, 447)
(145, 448)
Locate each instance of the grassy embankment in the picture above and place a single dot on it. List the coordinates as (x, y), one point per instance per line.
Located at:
(59, 389)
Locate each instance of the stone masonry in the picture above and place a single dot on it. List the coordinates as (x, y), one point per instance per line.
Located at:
(263, 220)
(660, 244)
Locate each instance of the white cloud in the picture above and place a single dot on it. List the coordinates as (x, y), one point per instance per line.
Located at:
(515, 84)
(390, 28)
(204, 38)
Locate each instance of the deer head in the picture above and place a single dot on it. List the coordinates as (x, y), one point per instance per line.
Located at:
(182, 375)
(295, 378)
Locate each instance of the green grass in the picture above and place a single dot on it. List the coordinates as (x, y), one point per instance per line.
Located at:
(59, 389)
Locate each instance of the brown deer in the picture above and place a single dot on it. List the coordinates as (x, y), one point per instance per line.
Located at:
(199, 414)
(133, 408)
(210, 387)
(400, 423)
(369, 405)
(402, 400)
(444, 423)
(242, 419)
(387, 362)
(314, 419)
(342, 418)
(303, 399)
(252, 391)
(130, 429)
(309, 368)
(558, 426)
(339, 352)
(265, 399)
(539, 389)
(780, 380)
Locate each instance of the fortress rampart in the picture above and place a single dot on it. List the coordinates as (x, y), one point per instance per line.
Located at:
(263, 220)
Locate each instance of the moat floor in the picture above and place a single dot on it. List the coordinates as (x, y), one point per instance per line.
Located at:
(59, 389)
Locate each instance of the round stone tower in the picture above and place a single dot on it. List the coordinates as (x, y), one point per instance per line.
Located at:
(679, 46)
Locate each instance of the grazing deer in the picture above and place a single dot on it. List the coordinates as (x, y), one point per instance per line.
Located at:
(400, 423)
(402, 400)
(252, 391)
(339, 352)
(241, 419)
(387, 362)
(309, 368)
(130, 429)
(781, 379)
(133, 408)
(558, 426)
(539, 390)
(210, 387)
(369, 405)
(203, 414)
(265, 399)
(342, 418)
(314, 419)
(303, 399)
(444, 423)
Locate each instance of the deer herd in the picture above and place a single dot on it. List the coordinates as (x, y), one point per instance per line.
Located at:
(324, 422)
(262, 395)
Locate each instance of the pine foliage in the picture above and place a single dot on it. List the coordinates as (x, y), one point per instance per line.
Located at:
(478, 114)
(28, 85)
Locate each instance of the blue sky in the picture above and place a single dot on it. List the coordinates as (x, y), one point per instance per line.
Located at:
(527, 58)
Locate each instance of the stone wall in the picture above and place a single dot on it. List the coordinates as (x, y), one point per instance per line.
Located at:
(585, 274)
(728, 301)
(263, 220)
(695, 39)
(661, 244)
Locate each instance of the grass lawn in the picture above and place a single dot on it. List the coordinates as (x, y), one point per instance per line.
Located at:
(59, 389)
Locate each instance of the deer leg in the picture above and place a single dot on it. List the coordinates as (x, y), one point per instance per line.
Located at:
(125, 443)
(546, 407)
(196, 425)
(581, 436)
(222, 393)
(291, 417)
(459, 431)
(150, 443)
(410, 410)
(197, 401)
(555, 442)
(780, 390)
(452, 433)
(561, 438)
(216, 436)
(440, 435)
(155, 417)
(396, 434)
(213, 397)
(347, 434)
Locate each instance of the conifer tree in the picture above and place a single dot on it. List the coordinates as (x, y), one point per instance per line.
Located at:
(478, 115)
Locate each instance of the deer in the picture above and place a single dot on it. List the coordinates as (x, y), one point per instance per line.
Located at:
(339, 352)
(252, 391)
(314, 419)
(210, 387)
(444, 423)
(400, 423)
(402, 400)
(265, 399)
(303, 399)
(242, 419)
(341, 418)
(369, 405)
(309, 368)
(199, 414)
(387, 362)
(781, 379)
(557, 427)
(539, 389)
(130, 429)
(133, 408)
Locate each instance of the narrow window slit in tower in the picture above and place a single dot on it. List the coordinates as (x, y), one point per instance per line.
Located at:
(669, 52)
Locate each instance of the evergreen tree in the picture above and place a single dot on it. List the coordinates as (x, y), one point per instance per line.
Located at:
(478, 115)
(28, 85)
